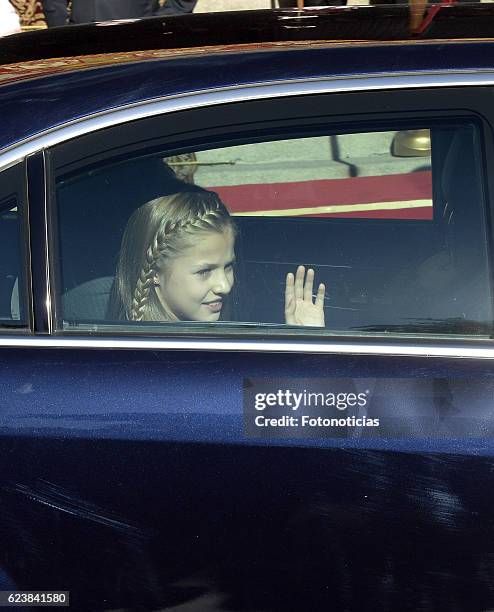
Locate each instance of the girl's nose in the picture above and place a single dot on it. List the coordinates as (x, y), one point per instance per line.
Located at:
(222, 285)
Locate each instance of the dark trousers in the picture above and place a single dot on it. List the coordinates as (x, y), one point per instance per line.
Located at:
(89, 11)
(177, 7)
(307, 3)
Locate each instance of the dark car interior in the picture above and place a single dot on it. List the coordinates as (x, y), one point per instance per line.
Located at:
(9, 263)
(12, 311)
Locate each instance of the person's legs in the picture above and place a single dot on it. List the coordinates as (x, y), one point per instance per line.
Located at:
(56, 12)
(177, 7)
(308, 3)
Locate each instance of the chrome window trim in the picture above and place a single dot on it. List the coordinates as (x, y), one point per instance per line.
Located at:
(428, 349)
(240, 93)
(48, 266)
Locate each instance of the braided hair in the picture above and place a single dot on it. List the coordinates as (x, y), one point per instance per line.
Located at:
(156, 232)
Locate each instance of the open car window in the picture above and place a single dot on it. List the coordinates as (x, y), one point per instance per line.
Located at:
(392, 221)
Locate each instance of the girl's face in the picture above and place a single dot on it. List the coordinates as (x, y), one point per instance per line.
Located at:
(193, 285)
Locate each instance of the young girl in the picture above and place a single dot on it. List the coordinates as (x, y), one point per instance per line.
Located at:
(177, 264)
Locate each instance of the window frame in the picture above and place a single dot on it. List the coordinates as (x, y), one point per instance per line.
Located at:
(407, 106)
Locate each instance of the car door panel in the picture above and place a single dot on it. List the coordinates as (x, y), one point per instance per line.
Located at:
(155, 486)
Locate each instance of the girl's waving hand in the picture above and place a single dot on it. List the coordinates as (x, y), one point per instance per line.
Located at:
(300, 309)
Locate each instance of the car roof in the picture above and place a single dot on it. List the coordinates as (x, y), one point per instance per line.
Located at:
(54, 77)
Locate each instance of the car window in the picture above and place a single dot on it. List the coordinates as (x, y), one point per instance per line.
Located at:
(12, 270)
(391, 221)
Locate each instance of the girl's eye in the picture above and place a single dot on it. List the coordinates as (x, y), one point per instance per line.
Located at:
(204, 272)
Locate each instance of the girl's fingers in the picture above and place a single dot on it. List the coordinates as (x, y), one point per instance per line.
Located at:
(320, 295)
(289, 294)
(289, 284)
(299, 283)
(308, 286)
(289, 300)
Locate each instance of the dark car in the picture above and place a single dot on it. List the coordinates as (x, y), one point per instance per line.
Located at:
(246, 311)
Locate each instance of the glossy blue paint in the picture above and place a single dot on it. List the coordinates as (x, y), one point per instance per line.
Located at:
(31, 107)
(178, 396)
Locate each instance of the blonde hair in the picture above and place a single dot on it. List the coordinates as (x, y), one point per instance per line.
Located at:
(155, 233)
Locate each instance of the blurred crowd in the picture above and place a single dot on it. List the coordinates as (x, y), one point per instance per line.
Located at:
(15, 14)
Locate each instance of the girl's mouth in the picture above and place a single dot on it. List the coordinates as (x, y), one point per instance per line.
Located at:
(214, 306)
